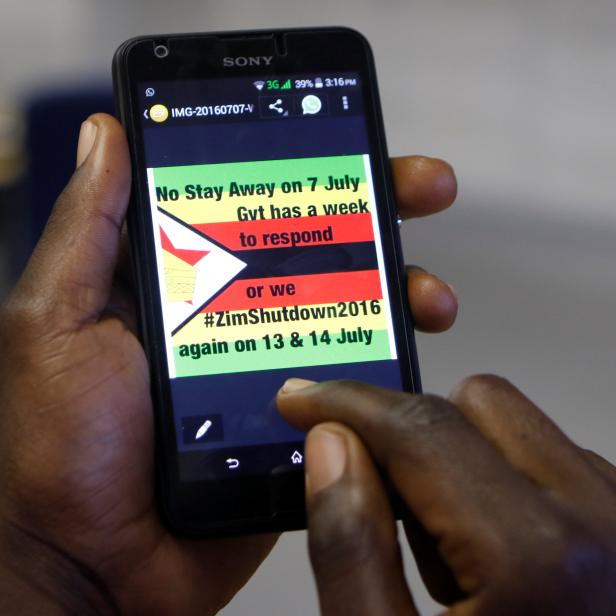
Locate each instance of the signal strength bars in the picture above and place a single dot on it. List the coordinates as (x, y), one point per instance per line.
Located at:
(258, 84)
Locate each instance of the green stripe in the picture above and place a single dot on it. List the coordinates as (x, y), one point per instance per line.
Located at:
(287, 357)
(262, 171)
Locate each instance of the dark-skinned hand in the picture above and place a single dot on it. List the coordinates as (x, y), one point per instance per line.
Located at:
(506, 516)
(79, 530)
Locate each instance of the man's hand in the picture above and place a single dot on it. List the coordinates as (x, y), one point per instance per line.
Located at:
(506, 516)
(79, 532)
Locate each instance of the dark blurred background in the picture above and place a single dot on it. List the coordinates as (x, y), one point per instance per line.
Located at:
(518, 96)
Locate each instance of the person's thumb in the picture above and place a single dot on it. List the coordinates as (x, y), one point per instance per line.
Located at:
(351, 529)
(71, 269)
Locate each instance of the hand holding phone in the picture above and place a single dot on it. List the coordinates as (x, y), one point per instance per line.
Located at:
(76, 432)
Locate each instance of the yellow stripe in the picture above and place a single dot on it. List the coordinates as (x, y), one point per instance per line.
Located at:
(196, 331)
(226, 210)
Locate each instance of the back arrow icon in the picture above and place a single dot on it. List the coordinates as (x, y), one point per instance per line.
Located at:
(232, 462)
(146, 114)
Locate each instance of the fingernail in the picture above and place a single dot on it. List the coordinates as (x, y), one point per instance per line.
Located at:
(87, 137)
(326, 456)
(292, 385)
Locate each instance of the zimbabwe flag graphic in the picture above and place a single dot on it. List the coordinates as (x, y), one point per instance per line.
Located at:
(270, 264)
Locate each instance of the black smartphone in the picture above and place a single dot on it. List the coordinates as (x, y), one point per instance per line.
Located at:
(266, 246)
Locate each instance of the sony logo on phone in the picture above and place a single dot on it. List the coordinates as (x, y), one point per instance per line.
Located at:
(247, 61)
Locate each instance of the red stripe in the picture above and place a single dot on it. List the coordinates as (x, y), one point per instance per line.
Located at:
(309, 289)
(345, 229)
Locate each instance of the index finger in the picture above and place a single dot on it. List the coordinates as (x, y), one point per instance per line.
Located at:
(423, 185)
(482, 512)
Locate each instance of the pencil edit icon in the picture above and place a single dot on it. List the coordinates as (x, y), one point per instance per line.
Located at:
(203, 428)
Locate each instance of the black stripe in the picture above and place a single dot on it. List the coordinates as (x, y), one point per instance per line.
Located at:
(323, 259)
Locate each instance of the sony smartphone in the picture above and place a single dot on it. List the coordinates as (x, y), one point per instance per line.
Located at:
(266, 246)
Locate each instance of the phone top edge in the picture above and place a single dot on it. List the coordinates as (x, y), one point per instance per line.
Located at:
(125, 47)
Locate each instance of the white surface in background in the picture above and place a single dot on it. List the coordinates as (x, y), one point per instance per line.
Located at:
(519, 96)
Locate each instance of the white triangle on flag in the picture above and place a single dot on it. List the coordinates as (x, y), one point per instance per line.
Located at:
(215, 270)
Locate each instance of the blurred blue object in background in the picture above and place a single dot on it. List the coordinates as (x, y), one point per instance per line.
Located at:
(53, 119)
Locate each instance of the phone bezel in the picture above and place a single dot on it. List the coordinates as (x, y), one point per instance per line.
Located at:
(257, 503)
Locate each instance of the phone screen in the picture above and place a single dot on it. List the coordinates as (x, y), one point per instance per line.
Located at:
(269, 256)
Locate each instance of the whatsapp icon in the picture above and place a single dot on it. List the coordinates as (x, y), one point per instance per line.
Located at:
(311, 104)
